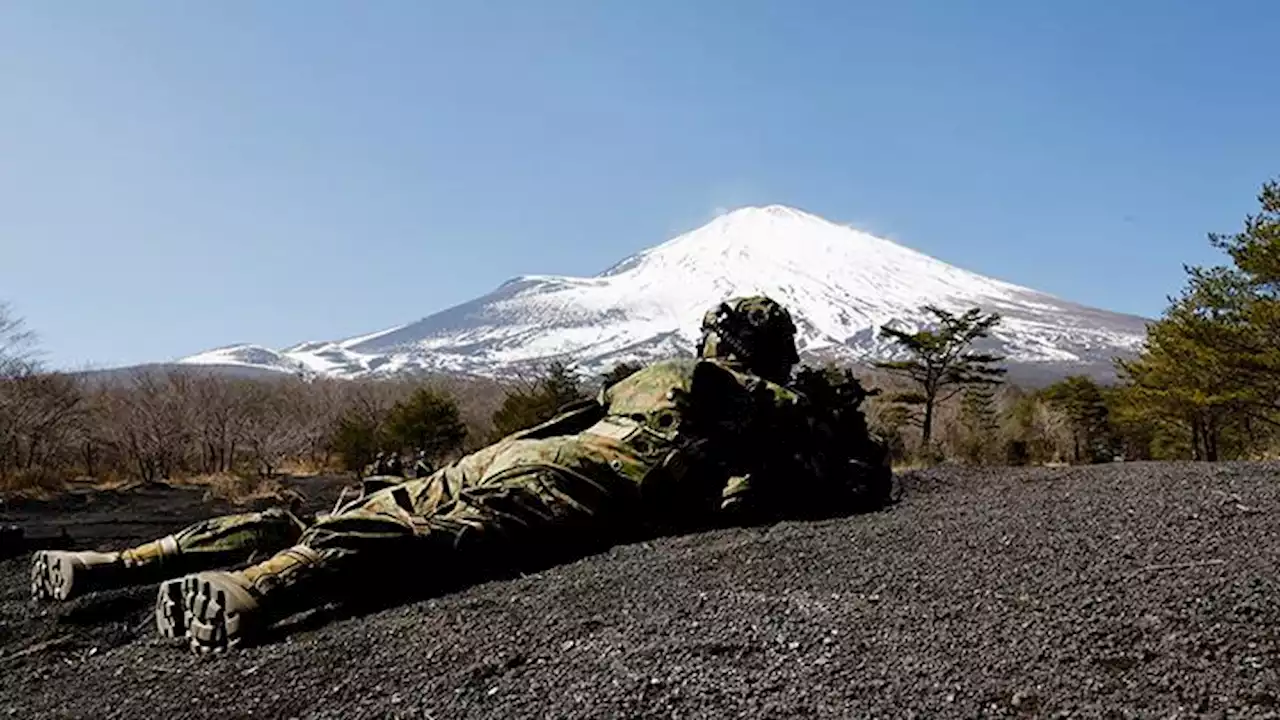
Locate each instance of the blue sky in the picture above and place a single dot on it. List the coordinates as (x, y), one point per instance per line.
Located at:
(178, 176)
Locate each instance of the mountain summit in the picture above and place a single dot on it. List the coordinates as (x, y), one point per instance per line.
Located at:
(839, 283)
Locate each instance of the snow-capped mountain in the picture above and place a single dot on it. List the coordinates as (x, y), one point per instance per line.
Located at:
(840, 284)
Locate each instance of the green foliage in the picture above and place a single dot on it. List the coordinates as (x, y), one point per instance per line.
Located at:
(1256, 250)
(1081, 400)
(978, 410)
(1207, 382)
(539, 401)
(1139, 433)
(561, 385)
(941, 364)
(356, 439)
(428, 420)
(1187, 393)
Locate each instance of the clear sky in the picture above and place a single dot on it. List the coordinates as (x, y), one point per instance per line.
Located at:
(180, 176)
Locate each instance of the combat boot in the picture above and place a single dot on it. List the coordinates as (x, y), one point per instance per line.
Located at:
(227, 609)
(64, 574)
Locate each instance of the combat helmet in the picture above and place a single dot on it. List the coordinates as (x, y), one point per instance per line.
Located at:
(756, 331)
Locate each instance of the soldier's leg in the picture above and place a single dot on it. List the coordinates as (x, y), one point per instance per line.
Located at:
(217, 542)
(521, 513)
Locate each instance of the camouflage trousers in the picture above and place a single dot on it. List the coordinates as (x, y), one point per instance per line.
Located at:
(514, 503)
(223, 541)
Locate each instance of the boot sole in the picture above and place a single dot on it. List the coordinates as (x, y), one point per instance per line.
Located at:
(171, 618)
(52, 576)
(219, 614)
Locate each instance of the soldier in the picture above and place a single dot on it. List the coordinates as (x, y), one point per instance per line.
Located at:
(679, 445)
(378, 466)
(422, 466)
(395, 466)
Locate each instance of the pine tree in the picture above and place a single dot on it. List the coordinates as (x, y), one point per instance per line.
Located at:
(539, 401)
(1210, 368)
(1082, 401)
(1244, 301)
(428, 420)
(356, 439)
(941, 363)
(1183, 381)
(980, 422)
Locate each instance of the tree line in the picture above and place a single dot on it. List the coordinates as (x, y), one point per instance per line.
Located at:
(1205, 386)
(170, 423)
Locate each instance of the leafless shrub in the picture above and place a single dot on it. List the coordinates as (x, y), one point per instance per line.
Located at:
(150, 423)
(17, 345)
(273, 417)
(239, 489)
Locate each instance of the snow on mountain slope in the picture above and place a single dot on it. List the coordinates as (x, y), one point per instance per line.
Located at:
(254, 356)
(840, 284)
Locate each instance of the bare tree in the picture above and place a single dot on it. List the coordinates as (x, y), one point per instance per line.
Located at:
(155, 425)
(94, 440)
(15, 363)
(217, 417)
(38, 411)
(322, 406)
(272, 427)
(53, 404)
(151, 422)
(17, 345)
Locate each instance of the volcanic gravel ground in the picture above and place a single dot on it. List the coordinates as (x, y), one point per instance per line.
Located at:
(1125, 590)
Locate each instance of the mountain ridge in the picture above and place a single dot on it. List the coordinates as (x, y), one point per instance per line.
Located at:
(840, 283)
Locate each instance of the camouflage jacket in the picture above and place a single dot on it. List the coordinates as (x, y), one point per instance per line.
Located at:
(716, 443)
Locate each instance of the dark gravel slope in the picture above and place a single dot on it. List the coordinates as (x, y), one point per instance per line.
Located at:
(1136, 590)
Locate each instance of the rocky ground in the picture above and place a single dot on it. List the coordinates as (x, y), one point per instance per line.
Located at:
(1127, 590)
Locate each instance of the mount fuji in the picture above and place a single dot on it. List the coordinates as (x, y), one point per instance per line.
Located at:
(840, 285)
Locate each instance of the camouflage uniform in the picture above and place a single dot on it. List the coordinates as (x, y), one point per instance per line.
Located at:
(678, 445)
(217, 542)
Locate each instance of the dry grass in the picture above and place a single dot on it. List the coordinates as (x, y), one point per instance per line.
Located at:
(304, 468)
(36, 483)
(237, 489)
(47, 484)
(907, 465)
